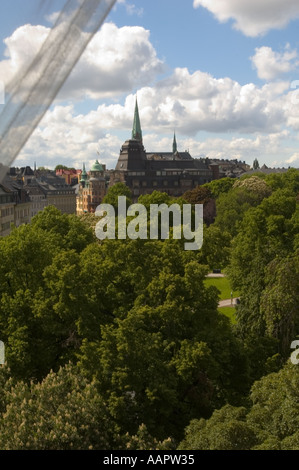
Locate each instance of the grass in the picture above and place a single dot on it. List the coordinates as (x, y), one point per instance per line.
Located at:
(229, 312)
(223, 285)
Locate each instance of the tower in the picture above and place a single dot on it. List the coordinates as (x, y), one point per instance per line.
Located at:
(174, 145)
(136, 131)
(132, 154)
(83, 175)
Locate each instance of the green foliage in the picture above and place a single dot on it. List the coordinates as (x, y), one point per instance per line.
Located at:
(215, 251)
(63, 412)
(140, 320)
(165, 323)
(89, 219)
(218, 187)
(230, 312)
(225, 430)
(288, 180)
(156, 197)
(198, 195)
(118, 189)
(232, 206)
(254, 184)
(266, 238)
(280, 300)
(61, 167)
(271, 422)
(38, 292)
(68, 230)
(223, 285)
(203, 195)
(144, 441)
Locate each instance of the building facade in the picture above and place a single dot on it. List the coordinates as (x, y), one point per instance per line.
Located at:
(171, 172)
(37, 197)
(92, 189)
(58, 193)
(7, 207)
(24, 193)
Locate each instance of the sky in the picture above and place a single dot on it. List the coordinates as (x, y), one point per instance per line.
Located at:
(222, 74)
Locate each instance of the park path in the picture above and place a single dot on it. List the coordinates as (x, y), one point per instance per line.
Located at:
(228, 302)
(215, 275)
(225, 302)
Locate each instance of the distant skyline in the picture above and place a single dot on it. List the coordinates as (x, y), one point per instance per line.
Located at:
(222, 74)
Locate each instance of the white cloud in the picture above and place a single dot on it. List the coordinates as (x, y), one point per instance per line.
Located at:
(188, 102)
(71, 139)
(53, 17)
(294, 159)
(199, 102)
(105, 68)
(254, 17)
(21, 47)
(131, 8)
(271, 65)
(65, 136)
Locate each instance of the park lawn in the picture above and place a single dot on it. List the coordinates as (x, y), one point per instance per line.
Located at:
(229, 312)
(223, 285)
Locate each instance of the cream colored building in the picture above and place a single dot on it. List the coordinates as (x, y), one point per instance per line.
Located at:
(37, 197)
(22, 214)
(7, 206)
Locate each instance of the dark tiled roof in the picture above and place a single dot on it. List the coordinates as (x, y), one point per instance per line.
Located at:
(26, 171)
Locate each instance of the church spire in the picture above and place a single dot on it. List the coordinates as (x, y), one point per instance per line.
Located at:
(136, 132)
(84, 174)
(174, 145)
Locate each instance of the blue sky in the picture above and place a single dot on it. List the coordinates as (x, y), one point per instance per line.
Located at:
(221, 73)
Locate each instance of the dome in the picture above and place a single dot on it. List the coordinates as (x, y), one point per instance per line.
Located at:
(96, 166)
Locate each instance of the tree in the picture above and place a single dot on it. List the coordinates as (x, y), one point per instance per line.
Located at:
(233, 205)
(67, 228)
(198, 195)
(63, 412)
(202, 195)
(266, 232)
(39, 292)
(266, 239)
(256, 185)
(225, 430)
(165, 322)
(61, 167)
(288, 180)
(215, 251)
(270, 423)
(280, 299)
(218, 187)
(118, 189)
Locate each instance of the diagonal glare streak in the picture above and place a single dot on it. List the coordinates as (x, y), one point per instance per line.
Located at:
(32, 90)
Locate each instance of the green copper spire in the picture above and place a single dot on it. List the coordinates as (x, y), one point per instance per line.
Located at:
(174, 145)
(136, 132)
(84, 174)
